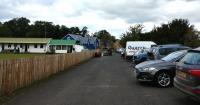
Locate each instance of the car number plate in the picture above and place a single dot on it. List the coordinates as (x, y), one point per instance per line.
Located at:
(181, 74)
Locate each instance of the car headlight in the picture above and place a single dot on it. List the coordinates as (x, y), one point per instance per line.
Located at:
(150, 69)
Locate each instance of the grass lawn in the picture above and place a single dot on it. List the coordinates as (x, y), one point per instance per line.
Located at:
(14, 56)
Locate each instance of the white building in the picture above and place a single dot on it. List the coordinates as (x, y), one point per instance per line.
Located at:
(24, 45)
(64, 46)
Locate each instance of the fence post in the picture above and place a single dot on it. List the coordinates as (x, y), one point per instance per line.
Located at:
(1, 76)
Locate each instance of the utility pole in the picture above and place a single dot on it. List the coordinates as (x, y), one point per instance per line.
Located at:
(45, 33)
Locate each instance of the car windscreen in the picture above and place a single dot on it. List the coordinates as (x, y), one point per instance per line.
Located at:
(173, 56)
(192, 58)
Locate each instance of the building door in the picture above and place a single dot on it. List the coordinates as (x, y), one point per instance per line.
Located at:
(69, 50)
(26, 48)
(15, 47)
(2, 47)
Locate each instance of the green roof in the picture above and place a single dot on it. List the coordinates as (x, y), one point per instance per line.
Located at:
(62, 42)
(24, 40)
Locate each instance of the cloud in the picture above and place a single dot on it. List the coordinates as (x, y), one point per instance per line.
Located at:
(114, 16)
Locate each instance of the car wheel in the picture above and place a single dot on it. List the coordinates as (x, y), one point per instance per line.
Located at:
(163, 79)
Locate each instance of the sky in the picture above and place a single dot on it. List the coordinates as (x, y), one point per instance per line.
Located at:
(115, 16)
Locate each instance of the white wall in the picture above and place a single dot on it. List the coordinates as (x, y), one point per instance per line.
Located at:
(32, 49)
(60, 51)
(0, 47)
(78, 48)
(8, 48)
(12, 47)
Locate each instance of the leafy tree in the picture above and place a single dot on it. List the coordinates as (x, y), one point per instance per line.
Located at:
(17, 27)
(133, 34)
(106, 38)
(74, 30)
(176, 31)
(64, 30)
(41, 29)
(84, 31)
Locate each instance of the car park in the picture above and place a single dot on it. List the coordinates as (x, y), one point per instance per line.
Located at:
(106, 52)
(161, 72)
(162, 50)
(187, 77)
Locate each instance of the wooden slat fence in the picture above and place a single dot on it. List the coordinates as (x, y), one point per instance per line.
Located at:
(18, 73)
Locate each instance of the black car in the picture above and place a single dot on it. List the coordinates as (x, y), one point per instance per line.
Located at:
(106, 52)
(161, 72)
(187, 77)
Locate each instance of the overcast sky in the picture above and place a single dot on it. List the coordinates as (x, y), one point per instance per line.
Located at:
(113, 15)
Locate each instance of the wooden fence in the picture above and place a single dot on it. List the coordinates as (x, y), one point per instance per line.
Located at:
(18, 73)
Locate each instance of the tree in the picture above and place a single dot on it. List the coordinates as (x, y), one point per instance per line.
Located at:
(74, 30)
(133, 34)
(17, 27)
(84, 31)
(105, 37)
(176, 31)
(38, 29)
(64, 30)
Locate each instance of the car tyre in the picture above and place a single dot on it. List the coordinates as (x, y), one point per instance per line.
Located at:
(163, 79)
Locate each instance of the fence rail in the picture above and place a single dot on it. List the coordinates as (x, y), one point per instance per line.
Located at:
(18, 73)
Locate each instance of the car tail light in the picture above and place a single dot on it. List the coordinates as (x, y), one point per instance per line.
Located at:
(195, 73)
(197, 91)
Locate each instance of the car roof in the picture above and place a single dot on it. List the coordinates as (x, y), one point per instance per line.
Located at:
(173, 46)
(180, 51)
(195, 50)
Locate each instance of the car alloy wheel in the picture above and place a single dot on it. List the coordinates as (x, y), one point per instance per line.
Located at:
(163, 79)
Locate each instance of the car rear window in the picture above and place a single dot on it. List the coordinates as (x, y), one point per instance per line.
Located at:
(173, 56)
(192, 58)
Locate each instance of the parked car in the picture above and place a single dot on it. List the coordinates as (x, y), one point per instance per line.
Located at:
(163, 50)
(187, 77)
(119, 50)
(140, 56)
(98, 52)
(123, 53)
(161, 72)
(106, 52)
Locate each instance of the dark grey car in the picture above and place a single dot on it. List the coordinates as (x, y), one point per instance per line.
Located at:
(187, 77)
(161, 71)
(163, 50)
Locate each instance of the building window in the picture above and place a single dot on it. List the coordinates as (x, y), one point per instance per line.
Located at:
(41, 46)
(35, 45)
(58, 47)
(9, 45)
(64, 47)
(20, 45)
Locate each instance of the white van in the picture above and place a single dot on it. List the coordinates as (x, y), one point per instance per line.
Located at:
(134, 46)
